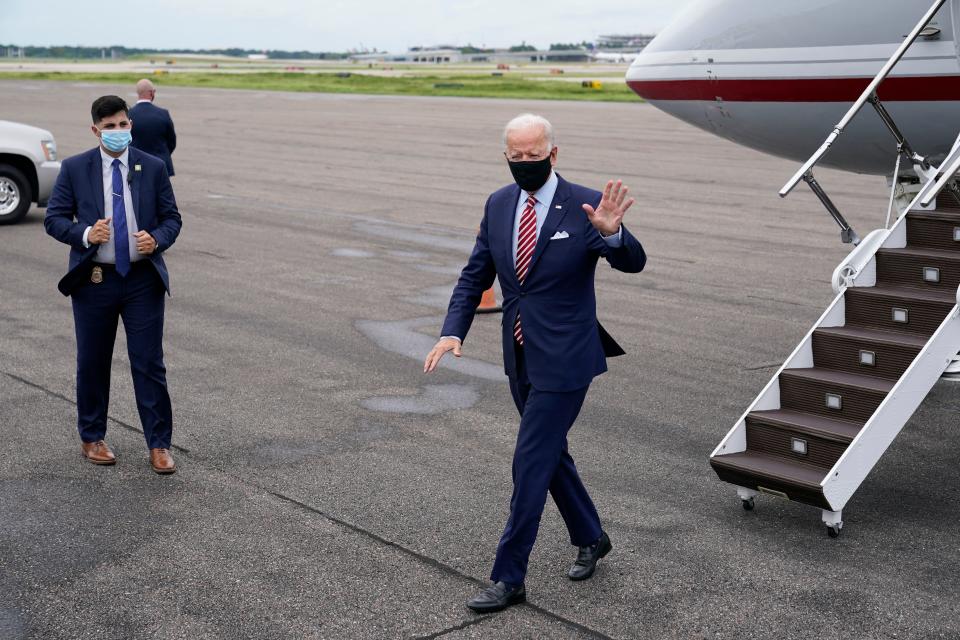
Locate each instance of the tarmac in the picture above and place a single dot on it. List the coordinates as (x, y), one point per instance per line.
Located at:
(328, 489)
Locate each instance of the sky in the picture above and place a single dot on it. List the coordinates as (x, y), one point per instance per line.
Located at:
(325, 25)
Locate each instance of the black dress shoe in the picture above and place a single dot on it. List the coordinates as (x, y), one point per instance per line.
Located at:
(588, 557)
(497, 597)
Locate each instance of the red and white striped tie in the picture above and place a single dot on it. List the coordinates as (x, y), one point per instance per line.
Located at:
(526, 241)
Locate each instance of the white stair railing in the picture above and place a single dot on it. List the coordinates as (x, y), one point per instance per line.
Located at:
(869, 95)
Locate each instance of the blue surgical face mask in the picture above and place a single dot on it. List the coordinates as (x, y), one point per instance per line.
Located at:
(115, 140)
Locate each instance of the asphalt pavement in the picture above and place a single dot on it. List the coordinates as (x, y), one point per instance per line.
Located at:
(327, 488)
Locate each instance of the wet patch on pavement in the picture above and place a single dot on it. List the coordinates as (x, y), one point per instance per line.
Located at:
(435, 398)
(347, 252)
(401, 337)
(406, 233)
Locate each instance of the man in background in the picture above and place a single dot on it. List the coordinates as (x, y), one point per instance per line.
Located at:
(152, 126)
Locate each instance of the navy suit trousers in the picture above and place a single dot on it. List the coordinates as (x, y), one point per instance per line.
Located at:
(541, 464)
(138, 300)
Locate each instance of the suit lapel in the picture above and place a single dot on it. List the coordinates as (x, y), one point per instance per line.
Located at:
(509, 213)
(558, 209)
(95, 169)
(134, 160)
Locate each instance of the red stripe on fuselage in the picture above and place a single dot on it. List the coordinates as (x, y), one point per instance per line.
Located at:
(896, 89)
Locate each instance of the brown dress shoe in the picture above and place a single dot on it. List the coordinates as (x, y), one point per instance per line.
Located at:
(162, 461)
(97, 452)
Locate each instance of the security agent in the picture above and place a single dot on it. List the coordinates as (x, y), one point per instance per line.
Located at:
(115, 207)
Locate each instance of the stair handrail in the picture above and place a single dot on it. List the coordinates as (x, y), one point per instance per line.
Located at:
(850, 267)
(868, 95)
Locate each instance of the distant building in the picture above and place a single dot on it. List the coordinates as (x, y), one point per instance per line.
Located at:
(452, 55)
(635, 42)
(417, 54)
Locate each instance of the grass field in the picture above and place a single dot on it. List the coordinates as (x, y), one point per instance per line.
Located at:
(510, 85)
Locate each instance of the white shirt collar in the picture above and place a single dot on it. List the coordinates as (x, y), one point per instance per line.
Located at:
(144, 100)
(544, 194)
(108, 159)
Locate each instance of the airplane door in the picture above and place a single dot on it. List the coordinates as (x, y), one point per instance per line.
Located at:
(713, 106)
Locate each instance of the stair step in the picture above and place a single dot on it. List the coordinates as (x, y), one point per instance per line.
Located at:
(876, 307)
(795, 435)
(773, 474)
(809, 424)
(921, 267)
(935, 229)
(885, 354)
(947, 202)
(842, 379)
(838, 395)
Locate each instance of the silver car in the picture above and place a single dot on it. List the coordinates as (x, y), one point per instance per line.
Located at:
(28, 169)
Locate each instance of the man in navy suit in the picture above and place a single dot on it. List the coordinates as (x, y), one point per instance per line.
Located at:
(542, 238)
(153, 130)
(115, 207)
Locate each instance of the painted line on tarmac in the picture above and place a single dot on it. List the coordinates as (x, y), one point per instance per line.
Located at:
(432, 562)
(60, 396)
(463, 625)
(423, 558)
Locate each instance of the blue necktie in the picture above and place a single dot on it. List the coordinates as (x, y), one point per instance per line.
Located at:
(121, 239)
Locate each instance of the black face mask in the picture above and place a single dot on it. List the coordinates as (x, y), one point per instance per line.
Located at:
(531, 175)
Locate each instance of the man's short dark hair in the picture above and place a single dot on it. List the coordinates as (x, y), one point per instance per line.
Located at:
(106, 106)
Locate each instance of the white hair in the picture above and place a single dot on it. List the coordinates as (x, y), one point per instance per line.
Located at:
(526, 120)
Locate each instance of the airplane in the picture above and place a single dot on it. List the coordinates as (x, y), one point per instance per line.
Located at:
(610, 56)
(777, 75)
(797, 80)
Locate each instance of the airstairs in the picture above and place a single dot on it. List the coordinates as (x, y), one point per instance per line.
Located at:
(842, 397)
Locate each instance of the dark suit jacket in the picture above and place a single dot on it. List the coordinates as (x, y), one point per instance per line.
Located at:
(77, 203)
(564, 345)
(153, 131)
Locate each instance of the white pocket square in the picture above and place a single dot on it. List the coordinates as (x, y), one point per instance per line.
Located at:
(560, 235)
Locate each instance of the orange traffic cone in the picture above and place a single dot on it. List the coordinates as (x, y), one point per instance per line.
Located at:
(488, 303)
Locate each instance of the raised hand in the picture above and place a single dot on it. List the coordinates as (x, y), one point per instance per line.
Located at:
(607, 216)
(445, 345)
(100, 232)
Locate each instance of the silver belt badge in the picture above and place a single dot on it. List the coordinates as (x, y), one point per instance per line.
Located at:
(97, 276)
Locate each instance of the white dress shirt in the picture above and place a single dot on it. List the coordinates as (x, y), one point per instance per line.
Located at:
(107, 252)
(544, 196)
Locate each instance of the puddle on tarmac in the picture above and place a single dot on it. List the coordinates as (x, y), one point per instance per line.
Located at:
(402, 337)
(11, 626)
(446, 270)
(461, 243)
(435, 398)
(438, 297)
(413, 255)
(352, 253)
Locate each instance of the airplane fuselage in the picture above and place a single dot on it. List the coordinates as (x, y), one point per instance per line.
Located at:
(777, 75)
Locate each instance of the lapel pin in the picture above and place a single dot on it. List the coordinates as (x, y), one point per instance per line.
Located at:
(559, 206)
(136, 167)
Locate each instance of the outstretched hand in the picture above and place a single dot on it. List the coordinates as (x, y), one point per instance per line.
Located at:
(445, 345)
(607, 216)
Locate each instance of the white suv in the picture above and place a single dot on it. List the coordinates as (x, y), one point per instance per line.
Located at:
(28, 169)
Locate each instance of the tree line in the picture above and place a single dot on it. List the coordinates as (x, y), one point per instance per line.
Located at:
(98, 52)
